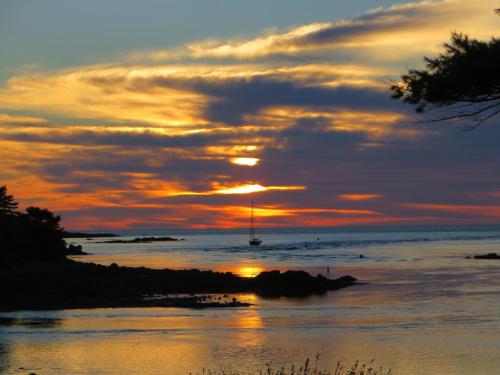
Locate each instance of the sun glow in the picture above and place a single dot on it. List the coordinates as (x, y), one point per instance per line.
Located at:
(249, 162)
(254, 188)
(248, 271)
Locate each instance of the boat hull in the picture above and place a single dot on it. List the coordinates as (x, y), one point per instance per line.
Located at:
(255, 242)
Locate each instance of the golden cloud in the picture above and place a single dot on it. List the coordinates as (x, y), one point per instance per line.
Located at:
(376, 125)
(391, 33)
(246, 188)
(162, 96)
(6, 119)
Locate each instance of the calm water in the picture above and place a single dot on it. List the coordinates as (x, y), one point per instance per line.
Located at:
(424, 310)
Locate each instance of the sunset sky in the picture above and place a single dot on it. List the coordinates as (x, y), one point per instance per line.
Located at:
(176, 114)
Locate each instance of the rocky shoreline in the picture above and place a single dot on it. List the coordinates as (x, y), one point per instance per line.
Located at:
(68, 284)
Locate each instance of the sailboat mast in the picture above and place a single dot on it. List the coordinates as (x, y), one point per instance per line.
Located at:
(253, 240)
(251, 224)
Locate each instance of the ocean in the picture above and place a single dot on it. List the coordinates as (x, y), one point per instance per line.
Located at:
(422, 307)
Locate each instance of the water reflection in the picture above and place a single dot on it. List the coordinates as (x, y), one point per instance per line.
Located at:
(18, 323)
(4, 356)
(438, 315)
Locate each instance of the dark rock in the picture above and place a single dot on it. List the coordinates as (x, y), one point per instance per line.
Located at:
(297, 283)
(487, 256)
(75, 250)
(67, 284)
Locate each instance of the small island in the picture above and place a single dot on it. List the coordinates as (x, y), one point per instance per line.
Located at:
(143, 240)
(487, 256)
(35, 273)
(75, 250)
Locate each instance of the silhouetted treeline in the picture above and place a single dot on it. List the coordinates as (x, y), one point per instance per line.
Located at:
(35, 233)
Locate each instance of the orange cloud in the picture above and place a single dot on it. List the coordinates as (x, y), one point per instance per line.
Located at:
(277, 210)
(171, 190)
(490, 211)
(33, 190)
(359, 197)
(205, 216)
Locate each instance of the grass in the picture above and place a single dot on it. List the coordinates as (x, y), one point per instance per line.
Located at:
(358, 368)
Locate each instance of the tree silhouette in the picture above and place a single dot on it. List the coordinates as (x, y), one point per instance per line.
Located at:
(43, 227)
(34, 234)
(44, 217)
(7, 204)
(464, 81)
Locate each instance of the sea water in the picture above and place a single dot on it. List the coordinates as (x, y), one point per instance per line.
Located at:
(423, 308)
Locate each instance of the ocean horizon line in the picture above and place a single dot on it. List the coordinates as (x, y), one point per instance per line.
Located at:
(301, 229)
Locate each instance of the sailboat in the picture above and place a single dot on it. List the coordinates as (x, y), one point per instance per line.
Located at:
(253, 241)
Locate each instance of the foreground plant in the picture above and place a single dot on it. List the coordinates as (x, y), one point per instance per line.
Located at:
(358, 368)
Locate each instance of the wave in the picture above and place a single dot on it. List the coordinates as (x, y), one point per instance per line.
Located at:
(321, 245)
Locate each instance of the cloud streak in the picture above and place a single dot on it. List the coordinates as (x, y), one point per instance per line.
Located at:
(419, 22)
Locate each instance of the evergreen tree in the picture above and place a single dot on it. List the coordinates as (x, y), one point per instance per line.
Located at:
(463, 82)
(7, 204)
(34, 234)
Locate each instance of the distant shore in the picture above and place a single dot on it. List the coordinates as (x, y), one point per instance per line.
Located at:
(144, 240)
(67, 234)
(68, 284)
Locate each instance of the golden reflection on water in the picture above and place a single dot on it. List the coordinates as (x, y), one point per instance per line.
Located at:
(249, 329)
(250, 320)
(144, 341)
(126, 354)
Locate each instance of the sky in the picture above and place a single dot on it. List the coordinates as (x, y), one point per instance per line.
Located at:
(177, 114)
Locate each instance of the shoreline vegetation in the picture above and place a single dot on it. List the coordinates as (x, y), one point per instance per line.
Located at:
(35, 273)
(358, 368)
